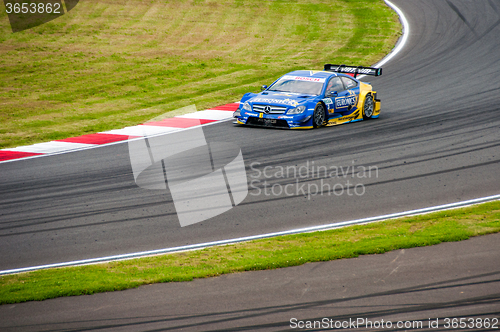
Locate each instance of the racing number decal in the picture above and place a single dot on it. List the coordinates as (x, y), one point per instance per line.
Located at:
(329, 105)
(261, 115)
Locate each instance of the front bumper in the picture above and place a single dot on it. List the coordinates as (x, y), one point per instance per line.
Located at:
(300, 121)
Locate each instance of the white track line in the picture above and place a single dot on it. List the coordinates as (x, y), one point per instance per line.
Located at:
(402, 41)
(254, 237)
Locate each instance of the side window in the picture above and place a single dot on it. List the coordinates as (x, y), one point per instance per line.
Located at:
(335, 84)
(349, 82)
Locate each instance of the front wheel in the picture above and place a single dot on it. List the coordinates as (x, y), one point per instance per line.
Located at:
(368, 107)
(319, 115)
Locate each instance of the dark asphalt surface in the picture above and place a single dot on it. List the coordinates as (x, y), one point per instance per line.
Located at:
(437, 141)
(449, 280)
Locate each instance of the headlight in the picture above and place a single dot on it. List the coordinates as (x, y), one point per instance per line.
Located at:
(297, 110)
(247, 107)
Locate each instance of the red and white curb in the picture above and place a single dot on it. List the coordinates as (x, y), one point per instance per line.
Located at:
(216, 114)
(220, 113)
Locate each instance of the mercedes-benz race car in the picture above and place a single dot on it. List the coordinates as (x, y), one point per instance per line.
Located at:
(306, 99)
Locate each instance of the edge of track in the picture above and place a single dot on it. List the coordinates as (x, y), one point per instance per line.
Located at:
(255, 237)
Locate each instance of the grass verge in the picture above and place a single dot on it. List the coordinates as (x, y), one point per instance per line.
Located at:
(284, 251)
(110, 64)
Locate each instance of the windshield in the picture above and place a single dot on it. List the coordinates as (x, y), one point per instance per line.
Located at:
(297, 84)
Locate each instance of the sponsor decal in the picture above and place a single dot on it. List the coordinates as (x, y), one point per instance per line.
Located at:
(285, 117)
(328, 101)
(266, 122)
(288, 101)
(291, 102)
(345, 119)
(342, 102)
(353, 70)
(351, 117)
(346, 101)
(307, 79)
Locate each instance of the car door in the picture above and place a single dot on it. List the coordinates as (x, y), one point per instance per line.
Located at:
(342, 95)
(347, 101)
(334, 89)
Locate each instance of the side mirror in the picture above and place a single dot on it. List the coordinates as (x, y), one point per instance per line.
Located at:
(332, 94)
(262, 88)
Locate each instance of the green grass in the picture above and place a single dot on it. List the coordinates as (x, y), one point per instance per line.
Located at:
(278, 252)
(111, 64)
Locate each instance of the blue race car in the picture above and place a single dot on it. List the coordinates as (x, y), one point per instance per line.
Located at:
(305, 99)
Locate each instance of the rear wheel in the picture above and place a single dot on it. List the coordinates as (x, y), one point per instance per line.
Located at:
(319, 115)
(368, 107)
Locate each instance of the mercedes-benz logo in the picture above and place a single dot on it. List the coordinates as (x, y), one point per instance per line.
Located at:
(267, 109)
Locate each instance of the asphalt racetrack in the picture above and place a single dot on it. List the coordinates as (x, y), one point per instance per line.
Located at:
(437, 141)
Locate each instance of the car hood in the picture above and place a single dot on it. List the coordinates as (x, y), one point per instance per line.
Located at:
(284, 99)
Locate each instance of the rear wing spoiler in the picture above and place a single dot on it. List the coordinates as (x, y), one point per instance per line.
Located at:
(355, 70)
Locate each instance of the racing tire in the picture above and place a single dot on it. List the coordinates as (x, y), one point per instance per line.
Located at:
(368, 107)
(319, 115)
